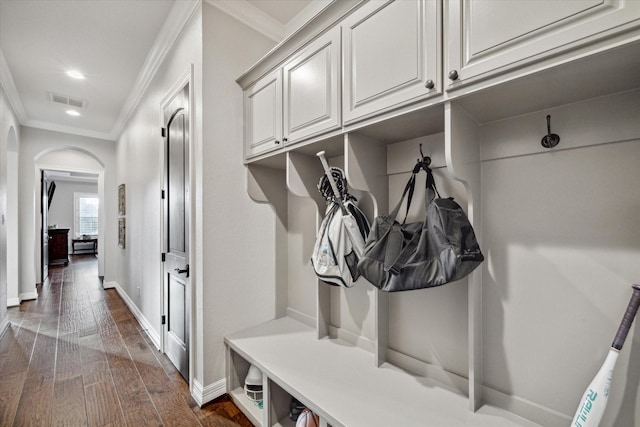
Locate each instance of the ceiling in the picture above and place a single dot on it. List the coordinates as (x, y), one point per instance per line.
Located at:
(116, 44)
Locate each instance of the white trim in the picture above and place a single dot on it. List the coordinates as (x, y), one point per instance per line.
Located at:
(301, 317)
(38, 124)
(146, 325)
(352, 338)
(516, 405)
(13, 302)
(203, 395)
(250, 15)
(187, 79)
(178, 17)
(306, 15)
(6, 80)
(28, 296)
(77, 195)
(109, 285)
(4, 326)
(524, 408)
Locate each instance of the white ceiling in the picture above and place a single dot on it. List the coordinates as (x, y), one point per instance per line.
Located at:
(117, 44)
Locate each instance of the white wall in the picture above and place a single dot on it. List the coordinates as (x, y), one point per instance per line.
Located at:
(238, 234)
(562, 244)
(9, 141)
(227, 295)
(140, 167)
(41, 149)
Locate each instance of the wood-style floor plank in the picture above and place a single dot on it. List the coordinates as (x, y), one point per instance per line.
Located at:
(77, 356)
(69, 407)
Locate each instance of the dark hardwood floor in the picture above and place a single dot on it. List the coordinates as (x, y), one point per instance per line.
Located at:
(76, 356)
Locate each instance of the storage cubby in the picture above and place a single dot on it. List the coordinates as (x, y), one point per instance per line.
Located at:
(237, 370)
(279, 401)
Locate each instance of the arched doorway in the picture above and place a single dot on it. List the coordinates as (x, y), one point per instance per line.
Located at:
(72, 161)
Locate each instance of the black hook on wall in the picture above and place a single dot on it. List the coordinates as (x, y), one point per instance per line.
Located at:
(422, 163)
(550, 140)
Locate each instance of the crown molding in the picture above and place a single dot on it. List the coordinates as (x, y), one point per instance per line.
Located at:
(6, 80)
(68, 129)
(250, 15)
(306, 15)
(178, 17)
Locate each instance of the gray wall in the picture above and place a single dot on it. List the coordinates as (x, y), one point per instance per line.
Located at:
(9, 141)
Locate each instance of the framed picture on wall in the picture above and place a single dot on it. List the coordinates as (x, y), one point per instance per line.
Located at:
(122, 232)
(122, 200)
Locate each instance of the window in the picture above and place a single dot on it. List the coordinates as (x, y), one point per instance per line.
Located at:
(86, 214)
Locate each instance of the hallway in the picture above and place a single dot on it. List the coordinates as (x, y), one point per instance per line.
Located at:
(76, 356)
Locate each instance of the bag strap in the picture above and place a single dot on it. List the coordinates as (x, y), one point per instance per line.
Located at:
(408, 189)
(403, 254)
(395, 255)
(432, 191)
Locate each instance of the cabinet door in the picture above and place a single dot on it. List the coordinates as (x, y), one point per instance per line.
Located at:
(263, 115)
(391, 56)
(489, 36)
(312, 89)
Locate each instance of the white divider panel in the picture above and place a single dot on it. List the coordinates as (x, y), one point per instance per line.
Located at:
(462, 152)
(268, 185)
(303, 172)
(366, 168)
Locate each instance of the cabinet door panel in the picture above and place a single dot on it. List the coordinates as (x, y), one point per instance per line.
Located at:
(489, 36)
(312, 84)
(263, 115)
(390, 51)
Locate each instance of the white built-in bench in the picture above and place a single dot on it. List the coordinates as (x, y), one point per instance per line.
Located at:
(340, 383)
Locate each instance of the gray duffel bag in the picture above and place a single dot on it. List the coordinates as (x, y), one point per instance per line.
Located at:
(440, 249)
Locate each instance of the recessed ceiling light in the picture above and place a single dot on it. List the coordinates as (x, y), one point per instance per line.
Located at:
(73, 113)
(75, 74)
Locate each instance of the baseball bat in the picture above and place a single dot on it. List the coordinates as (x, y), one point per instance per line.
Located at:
(594, 400)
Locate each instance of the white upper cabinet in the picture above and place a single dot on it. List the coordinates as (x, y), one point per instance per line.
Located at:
(312, 89)
(486, 37)
(392, 56)
(263, 115)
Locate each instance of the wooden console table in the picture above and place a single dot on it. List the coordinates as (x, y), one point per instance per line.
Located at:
(94, 242)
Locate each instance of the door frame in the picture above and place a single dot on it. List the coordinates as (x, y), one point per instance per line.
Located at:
(101, 210)
(186, 79)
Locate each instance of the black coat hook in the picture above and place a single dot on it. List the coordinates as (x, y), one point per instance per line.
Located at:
(422, 163)
(550, 140)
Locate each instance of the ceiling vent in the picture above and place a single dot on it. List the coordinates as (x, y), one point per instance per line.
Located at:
(67, 100)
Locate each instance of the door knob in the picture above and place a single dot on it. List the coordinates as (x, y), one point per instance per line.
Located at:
(182, 270)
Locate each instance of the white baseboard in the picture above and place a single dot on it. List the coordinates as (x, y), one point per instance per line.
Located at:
(13, 302)
(492, 397)
(146, 325)
(301, 317)
(4, 326)
(207, 394)
(28, 296)
(351, 338)
(525, 408)
(109, 285)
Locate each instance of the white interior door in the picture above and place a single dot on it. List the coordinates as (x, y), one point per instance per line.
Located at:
(176, 223)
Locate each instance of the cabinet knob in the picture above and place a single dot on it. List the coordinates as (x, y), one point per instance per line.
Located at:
(284, 139)
(277, 142)
(453, 75)
(429, 84)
